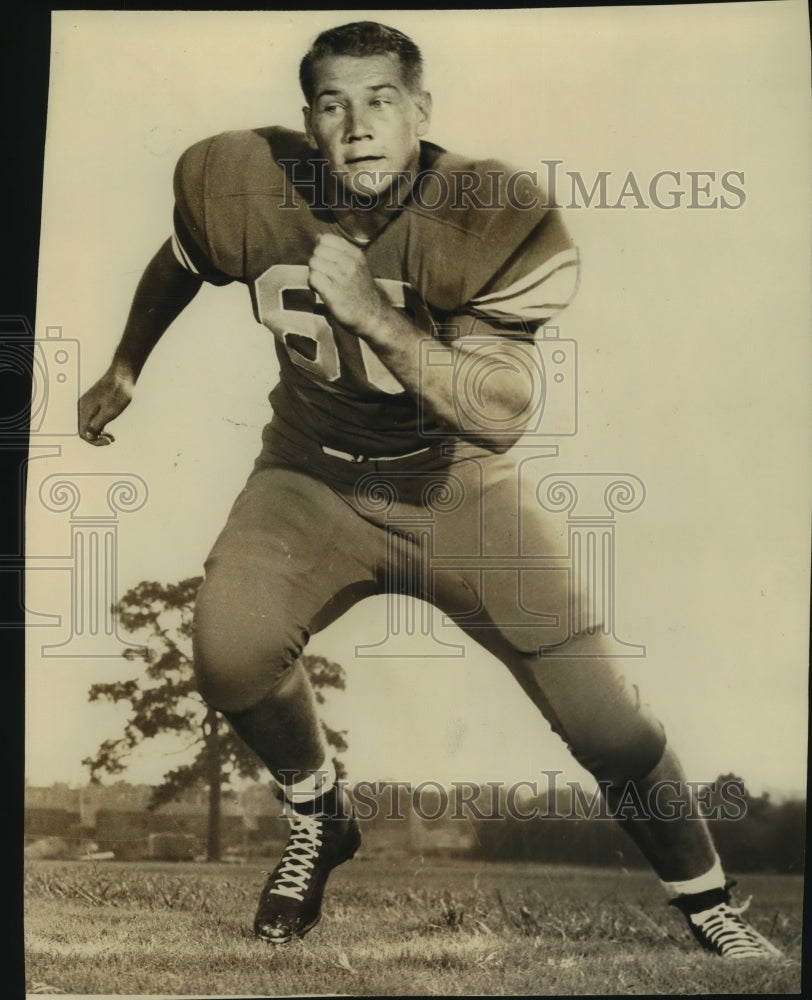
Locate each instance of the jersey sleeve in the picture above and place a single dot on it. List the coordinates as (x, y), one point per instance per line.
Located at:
(501, 255)
(537, 281)
(190, 238)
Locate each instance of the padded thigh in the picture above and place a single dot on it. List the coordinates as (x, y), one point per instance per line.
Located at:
(499, 562)
(600, 715)
(459, 531)
(291, 558)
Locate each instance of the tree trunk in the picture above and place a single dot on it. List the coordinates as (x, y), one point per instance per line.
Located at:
(215, 779)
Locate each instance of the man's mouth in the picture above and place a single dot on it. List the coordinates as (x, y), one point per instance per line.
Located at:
(354, 161)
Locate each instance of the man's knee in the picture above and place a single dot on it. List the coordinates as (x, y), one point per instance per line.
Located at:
(241, 651)
(594, 708)
(611, 731)
(619, 755)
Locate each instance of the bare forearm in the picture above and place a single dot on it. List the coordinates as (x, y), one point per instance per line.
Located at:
(482, 387)
(497, 394)
(164, 291)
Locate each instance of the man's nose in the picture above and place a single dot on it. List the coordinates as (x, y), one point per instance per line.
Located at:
(357, 125)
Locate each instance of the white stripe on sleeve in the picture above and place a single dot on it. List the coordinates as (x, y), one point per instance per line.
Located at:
(183, 258)
(536, 296)
(562, 259)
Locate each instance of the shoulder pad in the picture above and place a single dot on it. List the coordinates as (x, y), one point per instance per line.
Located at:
(474, 211)
(248, 162)
(226, 185)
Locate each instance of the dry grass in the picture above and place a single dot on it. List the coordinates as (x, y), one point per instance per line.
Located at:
(401, 927)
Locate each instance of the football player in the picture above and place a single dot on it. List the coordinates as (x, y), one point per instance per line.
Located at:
(404, 286)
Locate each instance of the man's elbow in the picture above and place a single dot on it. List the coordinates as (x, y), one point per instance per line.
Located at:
(497, 441)
(501, 444)
(508, 425)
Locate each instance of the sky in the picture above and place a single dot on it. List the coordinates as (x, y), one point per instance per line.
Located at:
(691, 325)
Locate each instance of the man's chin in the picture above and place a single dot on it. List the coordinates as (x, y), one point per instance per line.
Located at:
(371, 184)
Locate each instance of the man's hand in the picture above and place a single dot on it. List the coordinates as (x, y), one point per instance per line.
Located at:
(102, 403)
(340, 275)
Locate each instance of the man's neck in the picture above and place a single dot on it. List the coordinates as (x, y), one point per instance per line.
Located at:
(362, 215)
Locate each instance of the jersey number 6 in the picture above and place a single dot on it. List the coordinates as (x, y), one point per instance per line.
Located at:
(294, 313)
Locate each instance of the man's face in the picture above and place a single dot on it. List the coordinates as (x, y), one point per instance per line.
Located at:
(365, 121)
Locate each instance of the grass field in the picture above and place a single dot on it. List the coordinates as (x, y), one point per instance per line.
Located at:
(400, 926)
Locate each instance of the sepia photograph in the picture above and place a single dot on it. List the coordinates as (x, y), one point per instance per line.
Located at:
(416, 563)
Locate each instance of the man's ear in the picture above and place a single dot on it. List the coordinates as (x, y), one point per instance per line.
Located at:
(423, 102)
(307, 130)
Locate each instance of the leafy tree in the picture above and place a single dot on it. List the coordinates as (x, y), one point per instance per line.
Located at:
(163, 699)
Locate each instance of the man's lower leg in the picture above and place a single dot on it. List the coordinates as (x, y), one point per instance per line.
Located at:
(674, 838)
(284, 731)
(671, 833)
(613, 734)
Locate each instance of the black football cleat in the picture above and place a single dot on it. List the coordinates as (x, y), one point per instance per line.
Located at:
(719, 927)
(290, 903)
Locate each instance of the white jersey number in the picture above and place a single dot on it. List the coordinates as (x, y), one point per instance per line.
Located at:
(297, 317)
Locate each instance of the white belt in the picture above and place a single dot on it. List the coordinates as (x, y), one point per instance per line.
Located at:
(335, 453)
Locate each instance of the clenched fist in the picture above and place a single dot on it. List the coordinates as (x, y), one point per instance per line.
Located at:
(341, 276)
(102, 403)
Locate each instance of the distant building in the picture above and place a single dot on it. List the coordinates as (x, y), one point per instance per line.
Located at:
(116, 818)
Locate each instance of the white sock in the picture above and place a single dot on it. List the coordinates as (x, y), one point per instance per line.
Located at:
(315, 784)
(713, 879)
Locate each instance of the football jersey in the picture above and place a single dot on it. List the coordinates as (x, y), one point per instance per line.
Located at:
(474, 244)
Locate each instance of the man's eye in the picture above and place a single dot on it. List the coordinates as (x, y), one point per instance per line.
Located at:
(379, 102)
(331, 109)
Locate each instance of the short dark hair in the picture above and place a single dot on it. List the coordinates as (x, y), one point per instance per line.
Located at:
(363, 38)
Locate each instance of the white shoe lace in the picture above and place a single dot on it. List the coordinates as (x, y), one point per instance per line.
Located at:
(301, 852)
(731, 936)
